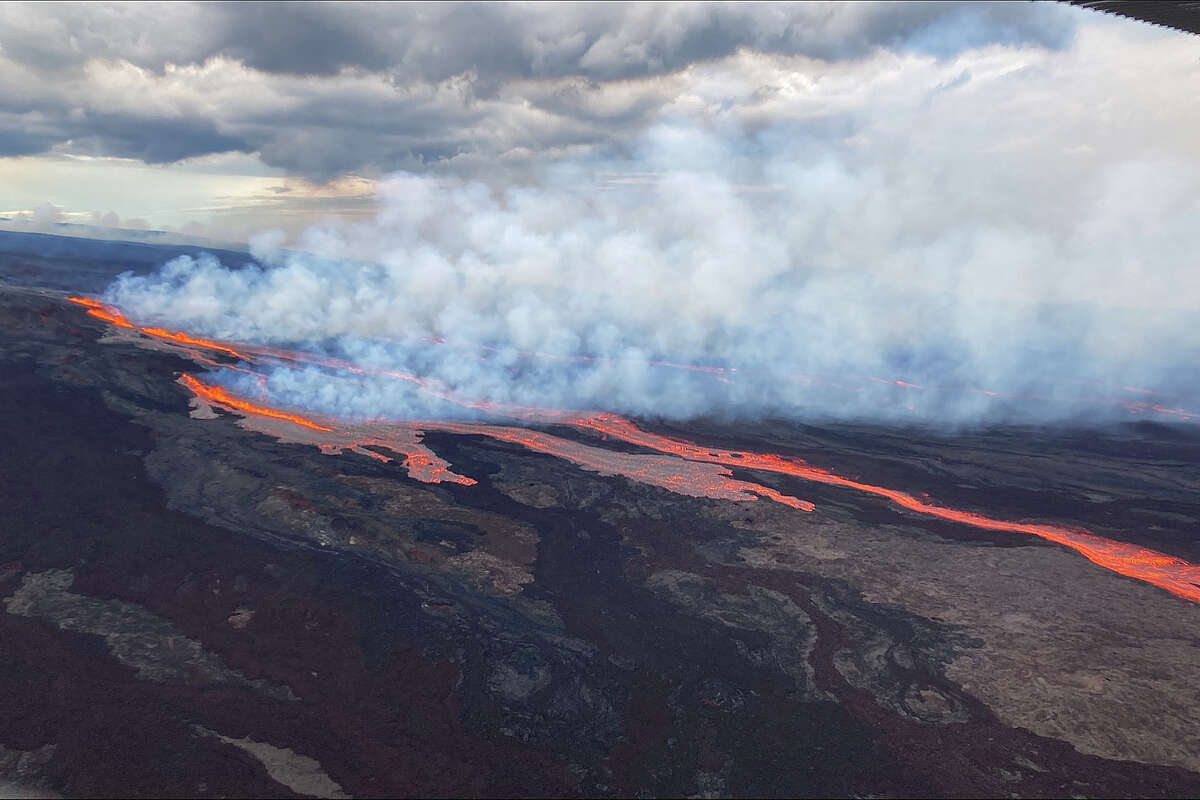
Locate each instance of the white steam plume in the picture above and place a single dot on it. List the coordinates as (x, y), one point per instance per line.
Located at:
(984, 226)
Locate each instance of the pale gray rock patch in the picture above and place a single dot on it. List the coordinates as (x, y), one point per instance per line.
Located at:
(23, 772)
(135, 636)
(297, 772)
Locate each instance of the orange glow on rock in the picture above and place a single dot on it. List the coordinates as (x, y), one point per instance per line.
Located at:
(337, 436)
(1175, 575)
(672, 473)
(183, 338)
(109, 314)
(218, 395)
(86, 302)
(678, 475)
(687, 469)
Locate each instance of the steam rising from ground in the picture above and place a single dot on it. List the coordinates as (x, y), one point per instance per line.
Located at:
(980, 226)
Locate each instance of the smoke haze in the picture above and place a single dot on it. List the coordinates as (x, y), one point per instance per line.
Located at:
(990, 227)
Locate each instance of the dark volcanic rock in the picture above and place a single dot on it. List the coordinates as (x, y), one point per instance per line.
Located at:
(194, 609)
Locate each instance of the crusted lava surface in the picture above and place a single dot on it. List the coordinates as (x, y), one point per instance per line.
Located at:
(194, 608)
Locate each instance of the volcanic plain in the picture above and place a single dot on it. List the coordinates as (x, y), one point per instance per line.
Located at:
(196, 605)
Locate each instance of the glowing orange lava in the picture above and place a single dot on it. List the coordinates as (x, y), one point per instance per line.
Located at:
(674, 474)
(334, 438)
(247, 352)
(183, 338)
(685, 471)
(109, 314)
(1177, 576)
(86, 302)
(216, 394)
(678, 475)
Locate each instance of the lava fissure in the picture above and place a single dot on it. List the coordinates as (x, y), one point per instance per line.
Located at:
(111, 315)
(688, 468)
(215, 394)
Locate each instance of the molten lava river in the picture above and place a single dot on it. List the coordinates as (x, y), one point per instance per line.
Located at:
(677, 465)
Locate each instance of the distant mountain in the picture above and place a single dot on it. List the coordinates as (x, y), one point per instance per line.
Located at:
(105, 233)
(79, 264)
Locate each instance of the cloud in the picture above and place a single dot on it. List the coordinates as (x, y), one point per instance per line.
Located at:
(436, 41)
(1003, 240)
(16, 142)
(153, 141)
(46, 213)
(327, 89)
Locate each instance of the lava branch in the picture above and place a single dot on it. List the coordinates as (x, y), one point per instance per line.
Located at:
(335, 436)
(1175, 575)
(674, 474)
(111, 315)
(216, 394)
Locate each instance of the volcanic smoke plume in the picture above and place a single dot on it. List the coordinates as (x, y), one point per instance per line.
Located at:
(737, 275)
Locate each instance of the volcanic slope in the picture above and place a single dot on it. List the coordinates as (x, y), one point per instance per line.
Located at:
(193, 606)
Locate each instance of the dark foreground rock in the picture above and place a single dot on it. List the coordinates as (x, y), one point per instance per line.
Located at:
(192, 609)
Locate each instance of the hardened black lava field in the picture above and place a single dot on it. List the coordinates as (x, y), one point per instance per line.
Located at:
(195, 605)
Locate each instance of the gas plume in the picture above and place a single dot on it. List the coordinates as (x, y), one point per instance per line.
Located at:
(920, 256)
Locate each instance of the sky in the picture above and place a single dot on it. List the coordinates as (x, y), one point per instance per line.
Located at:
(993, 196)
(230, 118)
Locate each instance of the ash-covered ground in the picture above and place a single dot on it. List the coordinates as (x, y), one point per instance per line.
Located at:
(191, 608)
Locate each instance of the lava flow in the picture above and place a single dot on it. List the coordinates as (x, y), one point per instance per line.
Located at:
(215, 394)
(249, 352)
(403, 439)
(688, 469)
(1177, 576)
(674, 474)
(678, 475)
(109, 314)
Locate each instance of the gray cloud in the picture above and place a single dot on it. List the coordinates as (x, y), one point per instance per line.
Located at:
(322, 89)
(154, 141)
(17, 142)
(435, 41)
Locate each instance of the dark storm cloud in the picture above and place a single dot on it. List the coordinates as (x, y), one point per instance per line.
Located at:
(434, 41)
(154, 141)
(604, 41)
(331, 88)
(22, 143)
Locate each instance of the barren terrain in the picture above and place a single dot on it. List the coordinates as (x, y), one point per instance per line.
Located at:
(194, 607)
